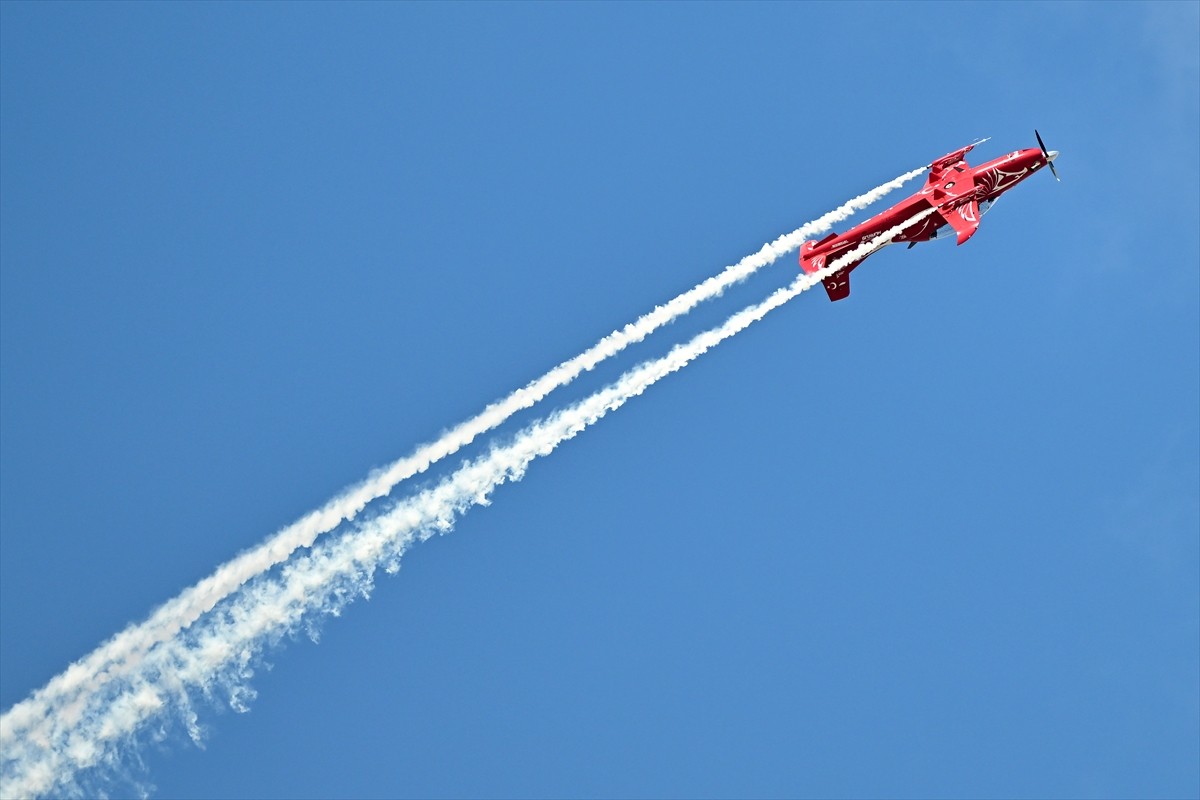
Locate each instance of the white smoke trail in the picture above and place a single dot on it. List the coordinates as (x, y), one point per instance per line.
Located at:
(62, 699)
(323, 581)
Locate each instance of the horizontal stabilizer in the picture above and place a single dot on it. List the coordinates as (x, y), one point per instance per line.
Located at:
(837, 285)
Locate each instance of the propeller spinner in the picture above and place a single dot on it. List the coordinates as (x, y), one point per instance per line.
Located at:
(1049, 154)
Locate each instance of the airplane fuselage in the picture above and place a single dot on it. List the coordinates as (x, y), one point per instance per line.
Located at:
(961, 194)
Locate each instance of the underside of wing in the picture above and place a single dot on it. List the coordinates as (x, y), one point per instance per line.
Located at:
(964, 219)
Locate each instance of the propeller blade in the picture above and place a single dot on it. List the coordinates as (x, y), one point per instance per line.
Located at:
(1046, 153)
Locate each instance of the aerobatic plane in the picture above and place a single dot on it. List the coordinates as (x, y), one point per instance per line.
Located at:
(961, 193)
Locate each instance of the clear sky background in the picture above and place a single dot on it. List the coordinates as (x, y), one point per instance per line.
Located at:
(940, 539)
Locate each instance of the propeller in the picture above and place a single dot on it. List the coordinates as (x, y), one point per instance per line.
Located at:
(1049, 154)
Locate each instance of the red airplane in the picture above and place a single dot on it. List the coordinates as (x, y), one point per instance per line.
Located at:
(961, 193)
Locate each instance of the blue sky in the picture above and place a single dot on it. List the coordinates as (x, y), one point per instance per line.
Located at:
(941, 539)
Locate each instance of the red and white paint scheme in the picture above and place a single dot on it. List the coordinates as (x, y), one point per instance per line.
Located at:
(961, 193)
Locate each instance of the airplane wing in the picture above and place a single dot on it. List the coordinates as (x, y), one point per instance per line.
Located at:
(964, 219)
(939, 167)
(952, 186)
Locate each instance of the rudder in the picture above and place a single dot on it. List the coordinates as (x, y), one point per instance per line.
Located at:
(810, 262)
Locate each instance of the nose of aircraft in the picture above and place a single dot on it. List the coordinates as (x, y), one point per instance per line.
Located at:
(1050, 154)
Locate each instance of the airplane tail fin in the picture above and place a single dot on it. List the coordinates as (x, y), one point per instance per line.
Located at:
(811, 259)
